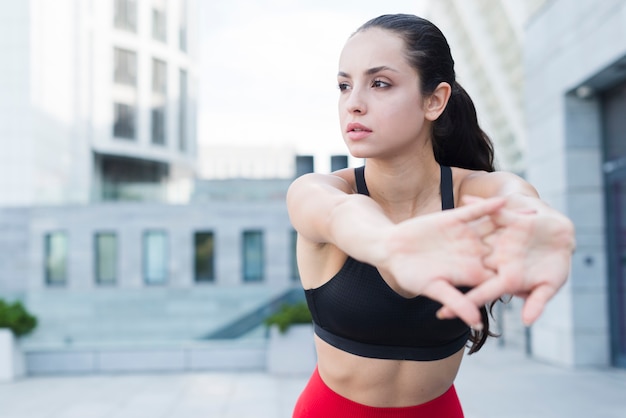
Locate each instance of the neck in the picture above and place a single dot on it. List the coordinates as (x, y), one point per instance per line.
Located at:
(404, 188)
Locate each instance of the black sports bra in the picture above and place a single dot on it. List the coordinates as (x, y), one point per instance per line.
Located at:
(357, 312)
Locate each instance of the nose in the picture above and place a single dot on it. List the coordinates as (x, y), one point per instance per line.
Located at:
(355, 102)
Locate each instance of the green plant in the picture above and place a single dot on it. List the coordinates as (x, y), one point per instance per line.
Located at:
(16, 318)
(290, 314)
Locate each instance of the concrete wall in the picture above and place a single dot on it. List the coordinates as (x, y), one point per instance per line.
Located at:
(568, 43)
(84, 311)
(23, 232)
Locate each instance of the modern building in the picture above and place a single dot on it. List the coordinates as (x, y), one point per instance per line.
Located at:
(486, 38)
(98, 101)
(549, 81)
(575, 100)
(102, 234)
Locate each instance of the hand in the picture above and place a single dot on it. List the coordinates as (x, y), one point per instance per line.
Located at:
(430, 255)
(531, 256)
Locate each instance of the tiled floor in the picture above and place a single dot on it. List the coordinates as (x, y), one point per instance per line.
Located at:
(494, 383)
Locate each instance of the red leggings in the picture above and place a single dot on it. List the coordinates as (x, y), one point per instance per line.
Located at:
(319, 401)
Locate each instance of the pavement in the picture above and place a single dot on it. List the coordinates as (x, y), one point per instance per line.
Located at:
(495, 382)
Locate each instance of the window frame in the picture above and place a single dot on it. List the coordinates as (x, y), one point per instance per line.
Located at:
(146, 269)
(246, 267)
(48, 250)
(97, 258)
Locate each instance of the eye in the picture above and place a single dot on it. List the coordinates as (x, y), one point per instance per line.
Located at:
(380, 84)
(343, 86)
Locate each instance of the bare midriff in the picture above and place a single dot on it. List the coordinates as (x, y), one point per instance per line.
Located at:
(385, 383)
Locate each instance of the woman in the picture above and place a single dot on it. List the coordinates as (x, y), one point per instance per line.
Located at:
(385, 260)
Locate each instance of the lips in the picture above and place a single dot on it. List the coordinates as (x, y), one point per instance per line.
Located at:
(356, 131)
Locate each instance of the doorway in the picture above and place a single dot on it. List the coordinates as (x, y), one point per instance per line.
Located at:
(614, 109)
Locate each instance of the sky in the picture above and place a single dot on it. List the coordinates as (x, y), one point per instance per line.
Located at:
(268, 70)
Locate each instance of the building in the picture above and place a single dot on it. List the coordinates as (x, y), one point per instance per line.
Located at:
(486, 38)
(575, 68)
(548, 79)
(98, 102)
(100, 235)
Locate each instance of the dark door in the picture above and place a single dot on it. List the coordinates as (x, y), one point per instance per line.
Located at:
(614, 115)
(616, 199)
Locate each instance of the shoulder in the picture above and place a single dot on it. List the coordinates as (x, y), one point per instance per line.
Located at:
(489, 184)
(341, 181)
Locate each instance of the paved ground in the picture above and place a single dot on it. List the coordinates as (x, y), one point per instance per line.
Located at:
(495, 383)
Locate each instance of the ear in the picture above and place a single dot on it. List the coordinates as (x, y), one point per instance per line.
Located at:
(435, 104)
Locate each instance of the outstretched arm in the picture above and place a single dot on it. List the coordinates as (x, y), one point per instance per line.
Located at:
(427, 255)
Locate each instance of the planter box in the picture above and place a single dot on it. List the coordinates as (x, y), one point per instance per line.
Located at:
(11, 357)
(291, 353)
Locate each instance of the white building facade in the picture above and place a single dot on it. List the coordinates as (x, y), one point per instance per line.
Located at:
(549, 82)
(99, 101)
(575, 103)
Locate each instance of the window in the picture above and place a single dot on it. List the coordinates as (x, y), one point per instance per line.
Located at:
(105, 257)
(155, 257)
(182, 26)
(253, 256)
(304, 164)
(159, 76)
(295, 274)
(56, 258)
(182, 112)
(337, 162)
(159, 26)
(125, 67)
(159, 89)
(124, 123)
(158, 125)
(204, 257)
(125, 15)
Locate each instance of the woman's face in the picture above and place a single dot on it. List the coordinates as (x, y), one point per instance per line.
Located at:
(380, 103)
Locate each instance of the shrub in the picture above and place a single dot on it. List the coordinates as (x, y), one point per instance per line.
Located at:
(290, 314)
(16, 318)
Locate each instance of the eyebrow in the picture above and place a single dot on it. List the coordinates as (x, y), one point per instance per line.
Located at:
(370, 71)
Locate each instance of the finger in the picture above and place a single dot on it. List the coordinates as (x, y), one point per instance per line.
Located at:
(535, 302)
(490, 260)
(504, 217)
(486, 274)
(488, 291)
(483, 227)
(470, 199)
(479, 209)
(457, 302)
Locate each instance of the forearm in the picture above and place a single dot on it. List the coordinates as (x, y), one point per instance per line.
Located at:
(324, 210)
(359, 227)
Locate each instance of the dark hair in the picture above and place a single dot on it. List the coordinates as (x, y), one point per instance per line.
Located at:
(458, 140)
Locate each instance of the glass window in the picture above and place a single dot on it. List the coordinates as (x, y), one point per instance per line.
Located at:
(253, 256)
(155, 257)
(614, 107)
(125, 67)
(158, 125)
(295, 274)
(106, 257)
(159, 24)
(182, 26)
(125, 15)
(304, 164)
(159, 76)
(204, 257)
(56, 258)
(182, 112)
(124, 123)
(337, 162)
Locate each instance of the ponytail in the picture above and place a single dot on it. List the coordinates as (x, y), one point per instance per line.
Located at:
(458, 141)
